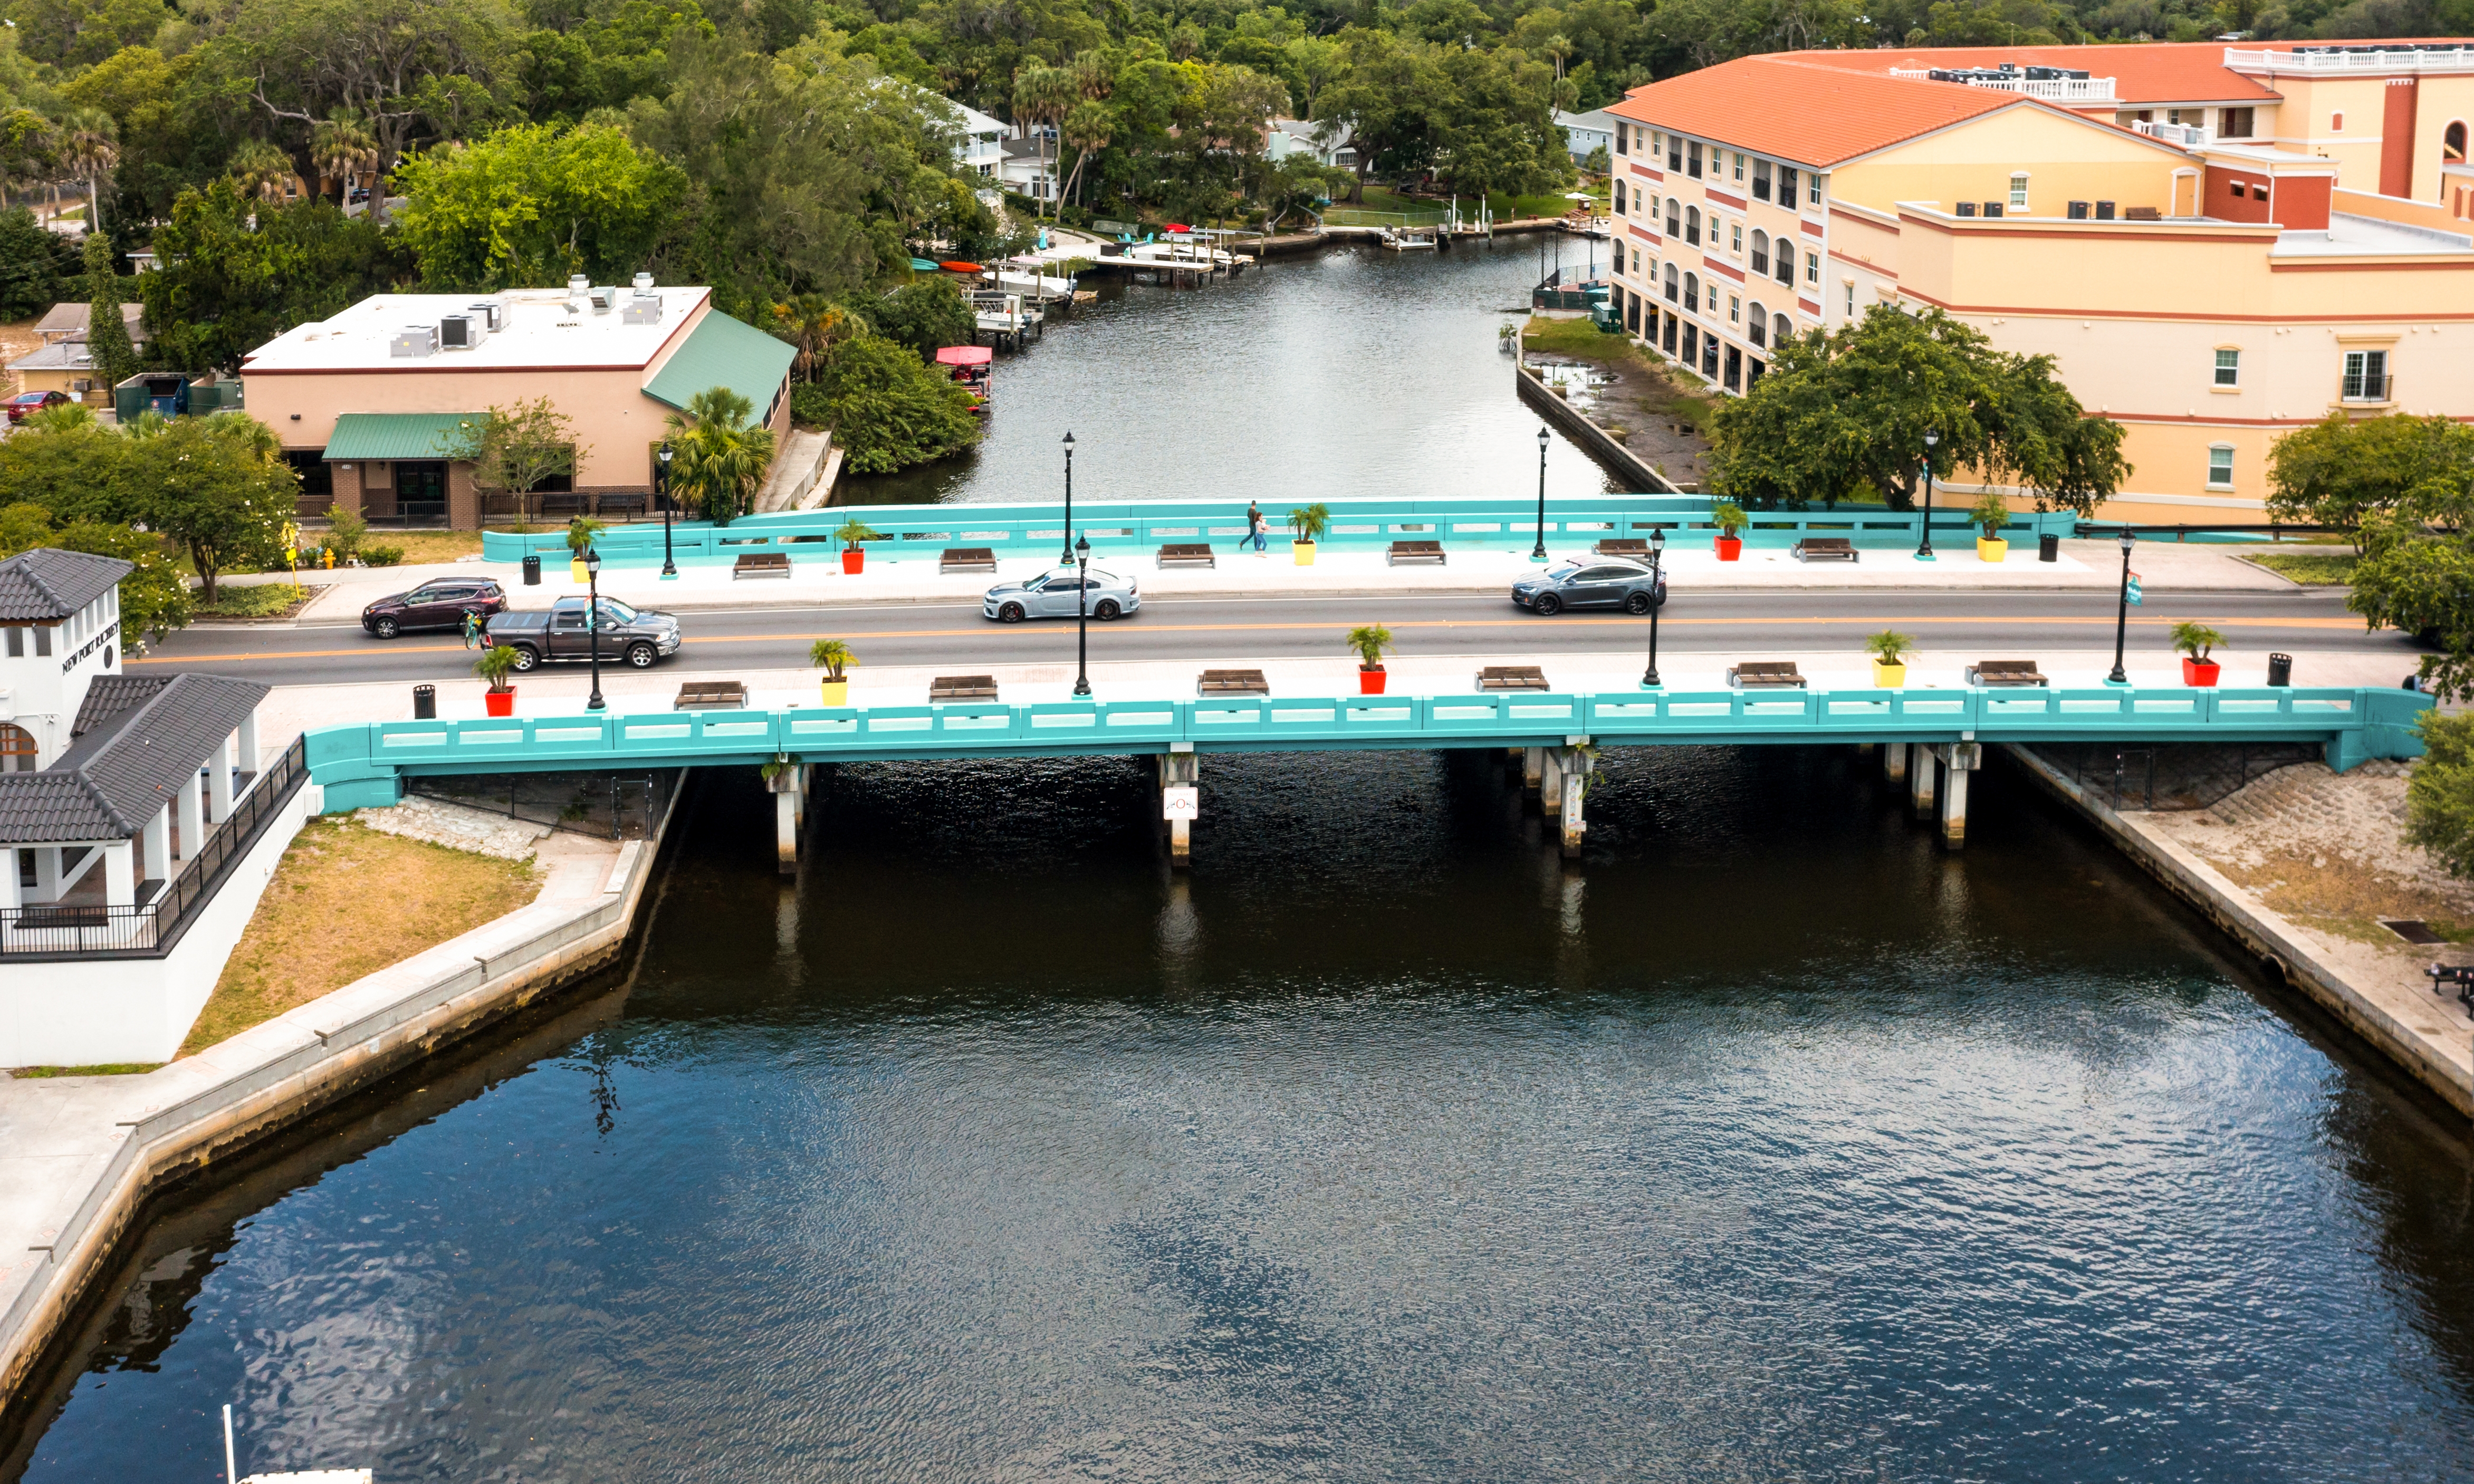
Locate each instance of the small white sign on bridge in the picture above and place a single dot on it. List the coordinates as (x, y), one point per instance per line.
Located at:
(1180, 802)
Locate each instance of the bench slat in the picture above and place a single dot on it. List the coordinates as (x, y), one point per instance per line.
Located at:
(958, 558)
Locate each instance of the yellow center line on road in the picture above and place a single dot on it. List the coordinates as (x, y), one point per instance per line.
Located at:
(2085, 621)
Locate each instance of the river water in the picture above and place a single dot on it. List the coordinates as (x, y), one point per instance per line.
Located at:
(1771, 1142)
(1353, 372)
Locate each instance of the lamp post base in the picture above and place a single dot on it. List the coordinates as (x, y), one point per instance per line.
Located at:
(1925, 556)
(2110, 681)
(1537, 555)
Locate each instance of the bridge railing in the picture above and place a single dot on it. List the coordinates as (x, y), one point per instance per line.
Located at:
(1118, 529)
(2365, 723)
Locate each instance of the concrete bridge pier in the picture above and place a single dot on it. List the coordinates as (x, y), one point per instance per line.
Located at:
(1958, 759)
(1572, 769)
(790, 788)
(1894, 761)
(1920, 782)
(1552, 761)
(1180, 777)
(1533, 770)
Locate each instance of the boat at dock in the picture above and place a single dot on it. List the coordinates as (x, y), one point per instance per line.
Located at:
(1022, 275)
(970, 366)
(1410, 239)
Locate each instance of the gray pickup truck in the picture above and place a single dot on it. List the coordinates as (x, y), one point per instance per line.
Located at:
(638, 637)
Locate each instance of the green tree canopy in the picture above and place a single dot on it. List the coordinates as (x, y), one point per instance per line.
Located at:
(532, 205)
(219, 488)
(236, 274)
(153, 599)
(2339, 470)
(1845, 414)
(888, 409)
(719, 456)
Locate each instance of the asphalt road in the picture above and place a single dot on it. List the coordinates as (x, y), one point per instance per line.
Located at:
(1272, 628)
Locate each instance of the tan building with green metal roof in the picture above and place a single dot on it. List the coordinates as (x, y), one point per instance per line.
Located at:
(375, 405)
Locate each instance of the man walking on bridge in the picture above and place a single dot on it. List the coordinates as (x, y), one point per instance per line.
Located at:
(1255, 528)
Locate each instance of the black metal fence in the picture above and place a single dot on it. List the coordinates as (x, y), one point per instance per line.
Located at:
(92, 930)
(2171, 776)
(605, 805)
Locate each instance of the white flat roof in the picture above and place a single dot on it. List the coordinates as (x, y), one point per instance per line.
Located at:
(2353, 236)
(537, 334)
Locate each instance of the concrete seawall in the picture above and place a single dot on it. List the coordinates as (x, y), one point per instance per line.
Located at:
(2416, 1036)
(1595, 441)
(95, 1161)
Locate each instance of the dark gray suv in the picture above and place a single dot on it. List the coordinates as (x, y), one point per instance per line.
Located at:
(1597, 582)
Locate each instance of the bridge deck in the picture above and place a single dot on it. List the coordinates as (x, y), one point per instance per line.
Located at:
(364, 763)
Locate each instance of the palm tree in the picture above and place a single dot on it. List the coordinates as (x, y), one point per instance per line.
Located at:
(719, 461)
(1087, 128)
(1560, 47)
(341, 148)
(89, 145)
(261, 170)
(1041, 96)
(812, 322)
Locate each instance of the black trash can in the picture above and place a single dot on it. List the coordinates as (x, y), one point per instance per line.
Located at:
(425, 703)
(2049, 548)
(2280, 669)
(532, 569)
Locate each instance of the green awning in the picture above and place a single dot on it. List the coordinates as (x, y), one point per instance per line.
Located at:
(363, 436)
(723, 353)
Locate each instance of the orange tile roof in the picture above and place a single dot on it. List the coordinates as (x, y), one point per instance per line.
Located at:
(2144, 74)
(1795, 109)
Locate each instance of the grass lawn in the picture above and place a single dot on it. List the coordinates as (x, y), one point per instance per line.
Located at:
(1580, 340)
(99, 1069)
(2312, 570)
(347, 902)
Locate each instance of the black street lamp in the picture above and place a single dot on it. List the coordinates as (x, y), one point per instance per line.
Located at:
(593, 624)
(1538, 553)
(1083, 617)
(1923, 547)
(662, 477)
(1657, 551)
(2121, 613)
(1065, 547)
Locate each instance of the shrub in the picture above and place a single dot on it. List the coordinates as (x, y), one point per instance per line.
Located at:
(383, 556)
(888, 408)
(2439, 798)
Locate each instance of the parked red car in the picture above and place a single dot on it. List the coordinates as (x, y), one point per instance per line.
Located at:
(25, 404)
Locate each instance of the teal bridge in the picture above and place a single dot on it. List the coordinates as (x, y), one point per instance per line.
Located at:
(365, 764)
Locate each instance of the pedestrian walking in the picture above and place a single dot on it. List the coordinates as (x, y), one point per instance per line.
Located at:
(1255, 530)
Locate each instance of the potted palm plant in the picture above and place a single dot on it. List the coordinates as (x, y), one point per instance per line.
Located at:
(1732, 520)
(1990, 515)
(1306, 525)
(855, 556)
(833, 658)
(1889, 650)
(2194, 643)
(1371, 641)
(496, 664)
(580, 533)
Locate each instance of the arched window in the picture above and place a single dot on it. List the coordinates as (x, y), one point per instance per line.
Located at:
(1670, 281)
(1785, 263)
(1692, 224)
(1760, 251)
(1691, 293)
(2451, 144)
(16, 749)
(1674, 221)
(1782, 330)
(1620, 199)
(1758, 326)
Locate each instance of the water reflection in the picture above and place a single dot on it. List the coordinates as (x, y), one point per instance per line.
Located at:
(1354, 371)
(1773, 1142)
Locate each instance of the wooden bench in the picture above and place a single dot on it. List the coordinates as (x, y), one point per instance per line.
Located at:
(1189, 554)
(1831, 546)
(761, 564)
(710, 696)
(967, 559)
(628, 506)
(2005, 672)
(1512, 677)
(562, 503)
(961, 687)
(1233, 682)
(1622, 546)
(1414, 551)
(1754, 674)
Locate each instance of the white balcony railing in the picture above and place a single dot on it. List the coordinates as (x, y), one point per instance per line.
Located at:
(2404, 58)
(2049, 90)
(2187, 135)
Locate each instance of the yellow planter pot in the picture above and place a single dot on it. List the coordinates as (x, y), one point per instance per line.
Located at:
(1991, 551)
(1305, 551)
(836, 692)
(576, 569)
(1890, 677)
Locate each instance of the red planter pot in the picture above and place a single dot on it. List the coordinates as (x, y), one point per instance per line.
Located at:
(499, 703)
(853, 560)
(1731, 548)
(1370, 682)
(2200, 671)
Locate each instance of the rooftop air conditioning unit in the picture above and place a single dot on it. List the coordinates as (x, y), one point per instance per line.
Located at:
(463, 331)
(491, 311)
(413, 340)
(1967, 209)
(603, 298)
(645, 308)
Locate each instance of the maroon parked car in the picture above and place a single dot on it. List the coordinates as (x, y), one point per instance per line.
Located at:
(439, 604)
(25, 404)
